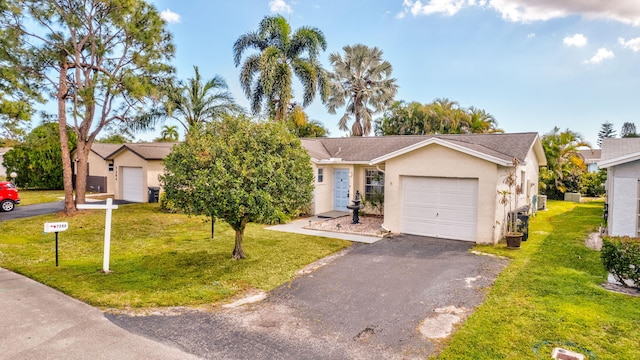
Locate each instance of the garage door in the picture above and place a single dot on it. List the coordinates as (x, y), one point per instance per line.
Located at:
(132, 185)
(440, 207)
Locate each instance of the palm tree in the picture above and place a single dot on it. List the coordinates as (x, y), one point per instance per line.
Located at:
(169, 133)
(564, 164)
(195, 102)
(481, 122)
(266, 76)
(362, 81)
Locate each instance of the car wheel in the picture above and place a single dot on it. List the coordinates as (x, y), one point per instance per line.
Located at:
(7, 205)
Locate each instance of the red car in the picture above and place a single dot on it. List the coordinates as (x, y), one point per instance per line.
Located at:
(8, 196)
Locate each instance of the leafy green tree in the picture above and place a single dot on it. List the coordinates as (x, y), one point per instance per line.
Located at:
(361, 81)
(266, 76)
(196, 101)
(606, 131)
(240, 171)
(115, 138)
(481, 122)
(38, 160)
(628, 130)
(565, 166)
(405, 119)
(592, 183)
(169, 134)
(299, 124)
(99, 59)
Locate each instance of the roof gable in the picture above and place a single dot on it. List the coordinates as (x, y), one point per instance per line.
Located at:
(619, 151)
(147, 151)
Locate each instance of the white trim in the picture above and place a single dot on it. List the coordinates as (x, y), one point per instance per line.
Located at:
(341, 162)
(444, 143)
(619, 160)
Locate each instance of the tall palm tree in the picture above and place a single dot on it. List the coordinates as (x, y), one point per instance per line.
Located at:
(266, 76)
(194, 102)
(362, 81)
(169, 133)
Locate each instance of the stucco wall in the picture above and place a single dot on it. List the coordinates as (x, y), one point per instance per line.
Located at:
(438, 161)
(622, 196)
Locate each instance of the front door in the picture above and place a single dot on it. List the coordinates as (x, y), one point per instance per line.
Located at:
(341, 189)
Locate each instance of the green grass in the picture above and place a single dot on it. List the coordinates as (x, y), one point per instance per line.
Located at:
(31, 197)
(157, 259)
(550, 295)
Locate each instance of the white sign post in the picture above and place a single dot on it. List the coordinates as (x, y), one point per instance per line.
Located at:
(107, 228)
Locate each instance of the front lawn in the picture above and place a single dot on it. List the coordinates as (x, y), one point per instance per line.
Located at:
(157, 259)
(31, 197)
(550, 295)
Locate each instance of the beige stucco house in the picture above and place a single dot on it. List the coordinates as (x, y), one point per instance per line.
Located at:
(127, 170)
(442, 185)
(621, 158)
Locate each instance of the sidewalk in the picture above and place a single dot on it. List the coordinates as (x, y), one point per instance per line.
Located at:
(38, 322)
(297, 227)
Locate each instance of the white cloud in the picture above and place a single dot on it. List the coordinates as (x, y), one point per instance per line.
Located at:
(280, 6)
(633, 44)
(531, 35)
(577, 40)
(170, 17)
(526, 11)
(601, 54)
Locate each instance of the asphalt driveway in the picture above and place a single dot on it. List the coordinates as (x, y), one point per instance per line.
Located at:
(381, 300)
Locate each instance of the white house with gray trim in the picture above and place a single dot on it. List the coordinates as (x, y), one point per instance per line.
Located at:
(621, 158)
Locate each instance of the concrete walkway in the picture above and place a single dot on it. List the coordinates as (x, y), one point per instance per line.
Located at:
(37, 322)
(297, 227)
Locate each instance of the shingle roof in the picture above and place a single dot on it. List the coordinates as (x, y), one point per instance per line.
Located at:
(591, 156)
(104, 150)
(147, 151)
(615, 148)
(365, 149)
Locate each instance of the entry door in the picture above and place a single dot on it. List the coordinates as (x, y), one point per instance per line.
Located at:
(341, 189)
(440, 207)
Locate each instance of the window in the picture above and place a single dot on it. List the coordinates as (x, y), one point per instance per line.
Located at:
(320, 175)
(374, 183)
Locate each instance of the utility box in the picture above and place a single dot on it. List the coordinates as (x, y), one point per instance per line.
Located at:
(572, 197)
(154, 194)
(542, 202)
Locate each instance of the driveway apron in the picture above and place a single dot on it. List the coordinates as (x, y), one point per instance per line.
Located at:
(374, 301)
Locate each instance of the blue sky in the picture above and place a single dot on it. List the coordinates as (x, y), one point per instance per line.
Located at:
(533, 64)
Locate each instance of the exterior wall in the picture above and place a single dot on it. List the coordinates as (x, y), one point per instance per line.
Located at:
(622, 196)
(438, 161)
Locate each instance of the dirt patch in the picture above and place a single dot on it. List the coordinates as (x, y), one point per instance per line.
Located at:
(441, 325)
(594, 241)
(369, 225)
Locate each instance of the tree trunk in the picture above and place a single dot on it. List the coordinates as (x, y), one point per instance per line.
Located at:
(238, 253)
(67, 174)
(82, 170)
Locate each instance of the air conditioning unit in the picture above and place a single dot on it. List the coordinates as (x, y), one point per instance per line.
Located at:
(542, 202)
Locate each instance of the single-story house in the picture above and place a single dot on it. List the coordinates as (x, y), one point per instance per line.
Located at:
(621, 158)
(591, 157)
(434, 185)
(127, 170)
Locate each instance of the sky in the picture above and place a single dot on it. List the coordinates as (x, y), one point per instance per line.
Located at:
(532, 64)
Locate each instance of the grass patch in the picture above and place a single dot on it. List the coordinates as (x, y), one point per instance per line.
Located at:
(550, 296)
(32, 197)
(157, 259)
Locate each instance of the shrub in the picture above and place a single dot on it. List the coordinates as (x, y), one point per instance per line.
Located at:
(167, 205)
(621, 257)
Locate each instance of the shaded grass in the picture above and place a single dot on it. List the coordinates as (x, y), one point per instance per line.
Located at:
(32, 197)
(550, 295)
(157, 259)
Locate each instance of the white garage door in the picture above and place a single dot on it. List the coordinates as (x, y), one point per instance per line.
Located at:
(132, 186)
(440, 207)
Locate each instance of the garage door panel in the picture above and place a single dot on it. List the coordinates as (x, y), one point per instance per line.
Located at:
(132, 184)
(440, 207)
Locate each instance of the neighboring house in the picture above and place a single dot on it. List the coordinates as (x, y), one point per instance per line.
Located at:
(591, 157)
(128, 169)
(621, 158)
(442, 185)
(3, 170)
